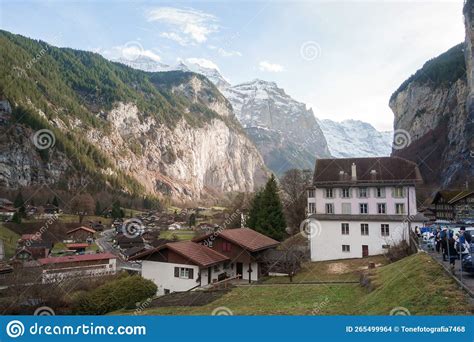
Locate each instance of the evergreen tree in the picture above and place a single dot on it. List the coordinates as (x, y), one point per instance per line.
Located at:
(55, 202)
(19, 204)
(192, 220)
(16, 218)
(98, 209)
(117, 212)
(266, 213)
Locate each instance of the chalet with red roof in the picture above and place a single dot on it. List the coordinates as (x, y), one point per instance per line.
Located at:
(81, 234)
(226, 254)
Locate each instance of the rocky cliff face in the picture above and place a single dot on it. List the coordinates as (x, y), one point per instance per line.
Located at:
(168, 134)
(431, 120)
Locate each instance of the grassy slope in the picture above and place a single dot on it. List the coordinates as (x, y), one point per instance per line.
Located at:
(416, 283)
(346, 270)
(10, 239)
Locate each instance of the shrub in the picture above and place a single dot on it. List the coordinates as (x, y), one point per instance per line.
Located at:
(123, 293)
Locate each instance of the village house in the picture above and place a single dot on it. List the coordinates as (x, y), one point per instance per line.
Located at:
(86, 265)
(6, 209)
(243, 246)
(453, 205)
(185, 265)
(361, 206)
(81, 234)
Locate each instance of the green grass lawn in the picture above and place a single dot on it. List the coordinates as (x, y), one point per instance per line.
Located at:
(416, 283)
(342, 270)
(181, 234)
(10, 240)
(68, 218)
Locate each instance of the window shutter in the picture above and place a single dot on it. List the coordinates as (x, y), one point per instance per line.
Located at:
(176, 272)
(191, 273)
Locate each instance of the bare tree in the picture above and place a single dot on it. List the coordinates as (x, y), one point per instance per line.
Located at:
(83, 205)
(294, 185)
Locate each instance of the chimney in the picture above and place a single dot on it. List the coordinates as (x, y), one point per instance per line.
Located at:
(353, 172)
(373, 174)
(341, 175)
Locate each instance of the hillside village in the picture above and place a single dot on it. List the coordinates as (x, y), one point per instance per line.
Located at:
(126, 191)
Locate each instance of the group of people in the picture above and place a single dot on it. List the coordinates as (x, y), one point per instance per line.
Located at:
(453, 246)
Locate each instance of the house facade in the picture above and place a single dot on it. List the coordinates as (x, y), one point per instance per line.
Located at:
(185, 265)
(453, 205)
(77, 266)
(360, 207)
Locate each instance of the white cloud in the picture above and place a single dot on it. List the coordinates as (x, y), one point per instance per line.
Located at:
(270, 67)
(187, 25)
(225, 53)
(176, 37)
(205, 63)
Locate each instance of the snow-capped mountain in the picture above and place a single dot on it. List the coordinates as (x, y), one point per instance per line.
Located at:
(286, 133)
(354, 138)
(284, 130)
(146, 63)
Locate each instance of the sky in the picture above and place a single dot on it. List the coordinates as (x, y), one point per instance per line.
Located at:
(343, 59)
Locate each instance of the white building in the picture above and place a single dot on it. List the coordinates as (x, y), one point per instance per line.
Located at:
(226, 254)
(361, 206)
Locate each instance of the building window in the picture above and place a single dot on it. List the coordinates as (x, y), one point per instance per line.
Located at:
(400, 208)
(329, 208)
(226, 246)
(345, 228)
(184, 272)
(346, 208)
(311, 208)
(385, 230)
(381, 208)
(345, 193)
(385, 246)
(363, 192)
(311, 193)
(380, 192)
(328, 193)
(398, 192)
(364, 229)
(346, 248)
(363, 208)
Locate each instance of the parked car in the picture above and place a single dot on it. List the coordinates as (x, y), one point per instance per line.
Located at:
(468, 263)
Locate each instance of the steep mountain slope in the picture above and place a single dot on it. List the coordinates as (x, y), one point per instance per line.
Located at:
(170, 133)
(431, 120)
(284, 130)
(354, 138)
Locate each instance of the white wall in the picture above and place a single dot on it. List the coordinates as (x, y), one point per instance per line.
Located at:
(162, 274)
(214, 274)
(371, 200)
(327, 244)
(245, 271)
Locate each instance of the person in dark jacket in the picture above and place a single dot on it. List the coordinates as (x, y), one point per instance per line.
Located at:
(451, 251)
(438, 239)
(444, 243)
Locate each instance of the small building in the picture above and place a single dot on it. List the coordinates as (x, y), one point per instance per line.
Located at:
(182, 266)
(126, 242)
(77, 266)
(133, 251)
(453, 205)
(81, 234)
(243, 246)
(359, 207)
(77, 247)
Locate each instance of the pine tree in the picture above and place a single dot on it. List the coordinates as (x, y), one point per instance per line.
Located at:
(19, 202)
(98, 209)
(55, 202)
(266, 213)
(117, 212)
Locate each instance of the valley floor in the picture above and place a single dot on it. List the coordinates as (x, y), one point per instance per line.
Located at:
(416, 284)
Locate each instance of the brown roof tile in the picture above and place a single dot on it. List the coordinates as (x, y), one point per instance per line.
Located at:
(198, 254)
(246, 238)
(388, 169)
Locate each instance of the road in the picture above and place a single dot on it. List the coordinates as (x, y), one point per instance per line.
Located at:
(105, 244)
